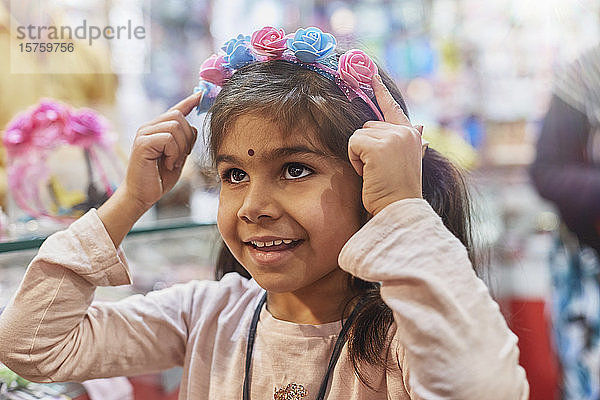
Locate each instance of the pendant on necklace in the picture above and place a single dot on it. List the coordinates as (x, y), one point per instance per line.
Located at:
(293, 391)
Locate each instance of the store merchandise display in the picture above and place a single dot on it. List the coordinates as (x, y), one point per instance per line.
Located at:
(43, 145)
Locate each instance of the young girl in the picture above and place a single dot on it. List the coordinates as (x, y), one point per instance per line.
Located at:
(349, 285)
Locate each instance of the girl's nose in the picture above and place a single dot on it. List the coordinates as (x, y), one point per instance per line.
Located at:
(258, 204)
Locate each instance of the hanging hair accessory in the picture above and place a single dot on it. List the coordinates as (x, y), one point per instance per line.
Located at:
(310, 48)
(33, 135)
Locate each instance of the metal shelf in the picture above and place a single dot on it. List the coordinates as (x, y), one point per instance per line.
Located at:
(159, 226)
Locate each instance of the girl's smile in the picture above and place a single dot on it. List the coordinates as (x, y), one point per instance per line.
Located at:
(272, 252)
(286, 212)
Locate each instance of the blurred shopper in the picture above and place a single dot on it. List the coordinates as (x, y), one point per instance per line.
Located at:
(566, 172)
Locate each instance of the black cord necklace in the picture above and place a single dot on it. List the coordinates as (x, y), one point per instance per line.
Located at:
(339, 344)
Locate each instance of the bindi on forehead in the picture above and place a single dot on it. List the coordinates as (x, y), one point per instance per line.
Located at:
(250, 152)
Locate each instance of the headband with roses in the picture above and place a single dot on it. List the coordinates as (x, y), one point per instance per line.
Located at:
(29, 139)
(308, 47)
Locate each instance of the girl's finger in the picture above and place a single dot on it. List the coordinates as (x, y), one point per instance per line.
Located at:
(158, 146)
(172, 127)
(186, 105)
(424, 143)
(195, 137)
(357, 147)
(371, 132)
(381, 125)
(190, 136)
(169, 116)
(392, 112)
(376, 124)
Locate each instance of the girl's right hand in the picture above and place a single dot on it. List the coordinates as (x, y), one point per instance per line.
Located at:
(159, 151)
(387, 154)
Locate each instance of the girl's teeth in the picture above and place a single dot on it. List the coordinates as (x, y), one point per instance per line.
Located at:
(272, 243)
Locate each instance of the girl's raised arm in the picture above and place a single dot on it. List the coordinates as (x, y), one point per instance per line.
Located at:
(159, 151)
(453, 341)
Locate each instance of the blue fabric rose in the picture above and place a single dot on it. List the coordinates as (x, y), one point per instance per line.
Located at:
(311, 44)
(237, 52)
(210, 91)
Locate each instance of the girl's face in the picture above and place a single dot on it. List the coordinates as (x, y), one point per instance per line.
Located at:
(286, 208)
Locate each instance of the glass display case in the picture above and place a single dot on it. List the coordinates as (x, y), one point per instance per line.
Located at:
(159, 255)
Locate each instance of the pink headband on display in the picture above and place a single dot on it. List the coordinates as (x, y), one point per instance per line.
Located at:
(308, 47)
(31, 136)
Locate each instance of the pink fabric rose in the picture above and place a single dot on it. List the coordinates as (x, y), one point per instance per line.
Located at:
(18, 133)
(356, 68)
(40, 127)
(85, 128)
(269, 42)
(49, 119)
(49, 112)
(213, 70)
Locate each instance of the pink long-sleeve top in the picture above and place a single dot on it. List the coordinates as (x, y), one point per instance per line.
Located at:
(448, 341)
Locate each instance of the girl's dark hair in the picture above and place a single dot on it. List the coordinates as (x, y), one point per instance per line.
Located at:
(293, 96)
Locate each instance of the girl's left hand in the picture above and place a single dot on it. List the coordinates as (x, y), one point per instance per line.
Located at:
(387, 154)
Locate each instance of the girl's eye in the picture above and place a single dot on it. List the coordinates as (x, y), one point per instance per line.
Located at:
(296, 170)
(234, 175)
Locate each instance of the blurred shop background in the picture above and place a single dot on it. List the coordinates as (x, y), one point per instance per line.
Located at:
(477, 74)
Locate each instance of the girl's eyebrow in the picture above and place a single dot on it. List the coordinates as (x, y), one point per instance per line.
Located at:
(275, 153)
